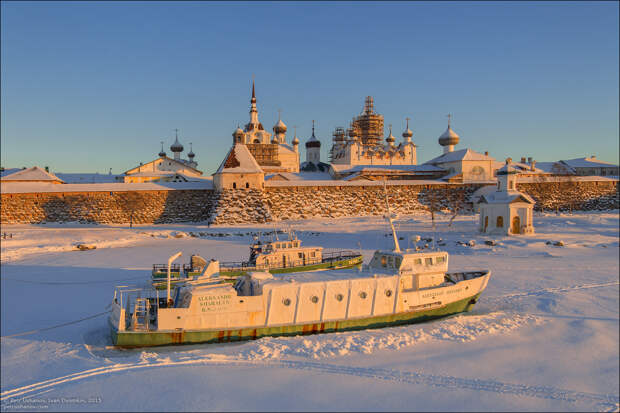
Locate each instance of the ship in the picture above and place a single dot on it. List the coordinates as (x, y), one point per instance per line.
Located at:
(396, 287)
(275, 256)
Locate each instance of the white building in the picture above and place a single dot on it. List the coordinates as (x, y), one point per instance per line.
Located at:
(506, 211)
(165, 168)
(361, 143)
(271, 152)
(239, 170)
(465, 165)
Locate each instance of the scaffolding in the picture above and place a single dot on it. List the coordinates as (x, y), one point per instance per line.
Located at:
(368, 126)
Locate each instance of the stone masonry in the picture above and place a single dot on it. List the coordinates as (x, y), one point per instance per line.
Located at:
(282, 203)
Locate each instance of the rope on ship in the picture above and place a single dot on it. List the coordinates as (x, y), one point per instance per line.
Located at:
(56, 326)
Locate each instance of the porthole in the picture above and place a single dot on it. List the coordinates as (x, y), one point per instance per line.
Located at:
(339, 297)
(363, 294)
(388, 293)
(314, 299)
(286, 301)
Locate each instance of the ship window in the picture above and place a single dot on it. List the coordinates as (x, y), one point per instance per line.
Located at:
(417, 261)
(441, 260)
(383, 261)
(339, 297)
(363, 295)
(390, 261)
(388, 293)
(312, 254)
(300, 255)
(428, 261)
(290, 245)
(286, 301)
(397, 262)
(314, 299)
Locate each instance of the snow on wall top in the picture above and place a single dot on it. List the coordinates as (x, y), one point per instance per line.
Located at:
(239, 160)
(32, 174)
(332, 182)
(36, 187)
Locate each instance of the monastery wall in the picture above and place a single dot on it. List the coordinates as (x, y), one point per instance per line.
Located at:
(281, 202)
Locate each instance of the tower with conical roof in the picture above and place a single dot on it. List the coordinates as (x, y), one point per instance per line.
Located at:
(313, 148)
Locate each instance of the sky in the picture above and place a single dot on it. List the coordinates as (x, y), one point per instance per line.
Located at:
(89, 86)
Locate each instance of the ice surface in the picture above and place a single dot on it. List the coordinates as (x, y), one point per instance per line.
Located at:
(544, 335)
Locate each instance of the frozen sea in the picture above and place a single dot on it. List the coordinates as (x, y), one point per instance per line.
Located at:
(543, 337)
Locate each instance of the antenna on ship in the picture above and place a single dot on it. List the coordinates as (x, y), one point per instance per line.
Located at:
(390, 218)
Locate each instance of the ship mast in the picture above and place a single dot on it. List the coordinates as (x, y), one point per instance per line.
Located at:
(390, 218)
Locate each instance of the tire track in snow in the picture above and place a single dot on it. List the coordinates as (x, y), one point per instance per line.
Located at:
(552, 290)
(443, 381)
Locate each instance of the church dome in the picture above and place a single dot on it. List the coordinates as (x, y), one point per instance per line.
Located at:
(238, 133)
(279, 127)
(162, 154)
(449, 137)
(176, 146)
(295, 141)
(408, 133)
(390, 139)
(313, 142)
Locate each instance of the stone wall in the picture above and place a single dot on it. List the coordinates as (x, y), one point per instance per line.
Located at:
(282, 203)
(569, 195)
(139, 207)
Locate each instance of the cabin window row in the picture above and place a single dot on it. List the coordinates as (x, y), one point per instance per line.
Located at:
(339, 297)
(390, 262)
(294, 244)
(429, 261)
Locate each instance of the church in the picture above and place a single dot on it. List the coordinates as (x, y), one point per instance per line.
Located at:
(270, 151)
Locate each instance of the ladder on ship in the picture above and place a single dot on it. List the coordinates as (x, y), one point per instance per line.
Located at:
(141, 314)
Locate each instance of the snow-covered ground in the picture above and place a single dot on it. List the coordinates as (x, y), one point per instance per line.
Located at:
(544, 335)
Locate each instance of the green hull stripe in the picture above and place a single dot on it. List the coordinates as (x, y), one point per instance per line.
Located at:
(334, 265)
(161, 338)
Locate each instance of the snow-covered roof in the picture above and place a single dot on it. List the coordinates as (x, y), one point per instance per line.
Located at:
(590, 162)
(8, 171)
(239, 160)
(34, 174)
(460, 155)
(505, 197)
(35, 187)
(87, 178)
(181, 162)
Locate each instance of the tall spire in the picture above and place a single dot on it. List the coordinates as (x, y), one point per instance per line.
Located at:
(253, 109)
(253, 92)
(313, 128)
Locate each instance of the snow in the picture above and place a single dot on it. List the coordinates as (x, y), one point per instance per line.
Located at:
(246, 162)
(31, 174)
(544, 335)
(460, 155)
(34, 187)
(587, 163)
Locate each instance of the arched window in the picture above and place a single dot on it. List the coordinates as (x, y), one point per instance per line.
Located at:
(247, 185)
(500, 222)
(256, 141)
(234, 185)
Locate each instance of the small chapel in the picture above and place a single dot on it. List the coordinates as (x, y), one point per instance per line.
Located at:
(506, 211)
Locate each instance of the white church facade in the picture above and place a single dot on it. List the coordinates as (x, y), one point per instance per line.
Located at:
(506, 211)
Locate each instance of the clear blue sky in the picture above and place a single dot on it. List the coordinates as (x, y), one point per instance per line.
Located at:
(88, 86)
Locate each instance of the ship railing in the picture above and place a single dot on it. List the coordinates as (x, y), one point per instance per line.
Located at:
(327, 257)
(164, 268)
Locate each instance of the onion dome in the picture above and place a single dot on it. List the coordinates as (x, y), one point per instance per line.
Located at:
(313, 142)
(407, 134)
(449, 137)
(191, 153)
(176, 146)
(295, 141)
(162, 153)
(279, 127)
(390, 139)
